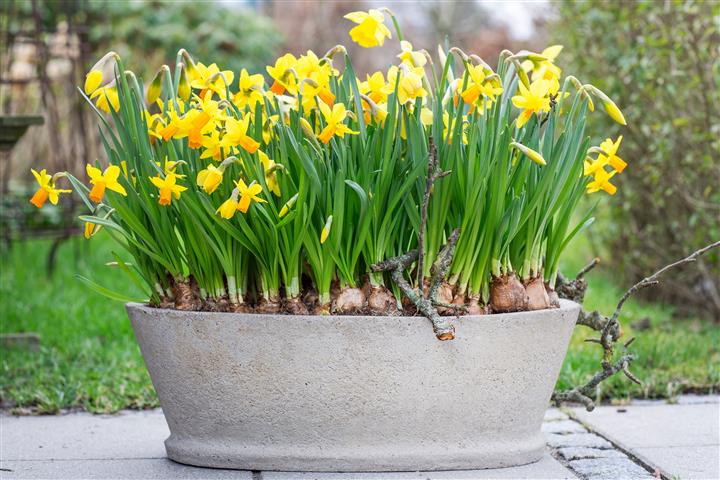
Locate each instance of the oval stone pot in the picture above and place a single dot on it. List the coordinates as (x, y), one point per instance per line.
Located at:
(353, 393)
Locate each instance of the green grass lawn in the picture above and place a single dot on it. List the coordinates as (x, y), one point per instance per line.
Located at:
(89, 359)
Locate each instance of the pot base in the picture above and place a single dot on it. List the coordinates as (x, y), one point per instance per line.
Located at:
(376, 458)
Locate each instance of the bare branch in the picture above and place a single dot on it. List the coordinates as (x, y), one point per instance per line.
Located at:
(652, 279)
(587, 268)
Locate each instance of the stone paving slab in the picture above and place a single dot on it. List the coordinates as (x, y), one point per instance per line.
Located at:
(129, 445)
(680, 440)
(130, 469)
(546, 469)
(74, 436)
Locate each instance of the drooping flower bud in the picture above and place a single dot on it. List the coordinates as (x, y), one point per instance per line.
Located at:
(288, 205)
(530, 153)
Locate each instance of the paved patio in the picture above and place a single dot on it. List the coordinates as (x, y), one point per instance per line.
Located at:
(640, 441)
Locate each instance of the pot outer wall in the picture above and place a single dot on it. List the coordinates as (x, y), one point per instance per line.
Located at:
(353, 393)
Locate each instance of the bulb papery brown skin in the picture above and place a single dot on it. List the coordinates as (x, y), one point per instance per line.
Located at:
(507, 294)
(552, 296)
(295, 306)
(445, 295)
(538, 298)
(348, 300)
(380, 300)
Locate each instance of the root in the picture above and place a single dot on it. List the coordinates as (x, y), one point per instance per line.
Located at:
(507, 294)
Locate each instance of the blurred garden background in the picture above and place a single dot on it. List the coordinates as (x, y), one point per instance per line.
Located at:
(660, 61)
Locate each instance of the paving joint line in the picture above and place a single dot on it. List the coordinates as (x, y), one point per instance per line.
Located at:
(655, 471)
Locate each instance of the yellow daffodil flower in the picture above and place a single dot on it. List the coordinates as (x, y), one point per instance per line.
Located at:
(370, 30)
(211, 145)
(376, 88)
(283, 74)
(248, 194)
(236, 135)
(229, 207)
(477, 85)
(410, 57)
(449, 129)
(611, 148)
(168, 188)
(532, 100)
(601, 181)
(411, 83)
(47, 189)
(270, 168)
(250, 90)
(210, 77)
(210, 178)
(546, 69)
(106, 97)
(96, 76)
(334, 119)
(104, 180)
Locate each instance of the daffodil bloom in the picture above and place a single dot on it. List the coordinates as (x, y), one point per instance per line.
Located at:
(334, 119)
(546, 69)
(206, 114)
(370, 30)
(236, 135)
(210, 178)
(270, 168)
(168, 188)
(106, 97)
(410, 86)
(248, 194)
(376, 88)
(601, 181)
(210, 77)
(47, 189)
(410, 57)
(532, 100)
(449, 129)
(104, 180)
(211, 145)
(283, 75)
(229, 207)
(96, 76)
(478, 86)
(250, 90)
(611, 148)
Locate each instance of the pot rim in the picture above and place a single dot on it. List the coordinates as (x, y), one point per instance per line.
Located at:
(565, 305)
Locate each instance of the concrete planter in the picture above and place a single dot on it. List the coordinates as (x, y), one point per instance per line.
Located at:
(352, 393)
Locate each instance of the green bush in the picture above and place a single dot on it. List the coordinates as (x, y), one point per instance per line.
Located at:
(660, 61)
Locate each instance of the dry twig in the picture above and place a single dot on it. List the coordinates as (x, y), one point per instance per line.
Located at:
(397, 265)
(609, 329)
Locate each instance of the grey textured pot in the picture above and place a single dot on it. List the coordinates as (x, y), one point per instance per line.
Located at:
(352, 393)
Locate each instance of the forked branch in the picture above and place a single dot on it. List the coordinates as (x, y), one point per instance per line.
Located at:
(609, 328)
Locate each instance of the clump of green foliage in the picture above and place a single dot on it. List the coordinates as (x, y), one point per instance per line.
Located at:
(661, 61)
